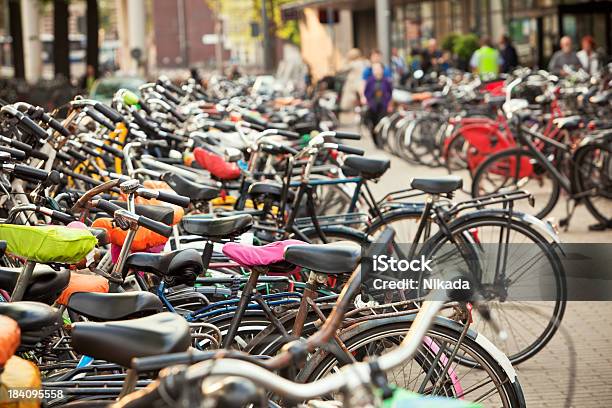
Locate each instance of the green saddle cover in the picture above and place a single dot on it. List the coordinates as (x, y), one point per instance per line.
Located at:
(47, 243)
(406, 399)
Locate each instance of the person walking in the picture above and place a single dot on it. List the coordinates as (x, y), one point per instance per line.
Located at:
(431, 57)
(565, 57)
(398, 66)
(588, 57)
(508, 54)
(376, 57)
(378, 92)
(486, 61)
(351, 90)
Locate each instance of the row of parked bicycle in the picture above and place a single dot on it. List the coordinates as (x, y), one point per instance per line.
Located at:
(185, 247)
(530, 131)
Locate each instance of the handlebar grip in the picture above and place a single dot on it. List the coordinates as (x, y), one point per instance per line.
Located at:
(32, 173)
(347, 135)
(15, 153)
(101, 119)
(171, 136)
(158, 227)
(175, 199)
(350, 150)
(224, 126)
(178, 115)
(104, 146)
(26, 148)
(290, 150)
(109, 112)
(62, 217)
(170, 86)
(288, 133)
(110, 149)
(36, 130)
(108, 207)
(254, 120)
(57, 126)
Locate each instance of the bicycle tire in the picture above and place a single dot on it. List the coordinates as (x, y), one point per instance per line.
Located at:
(476, 222)
(510, 390)
(507, 164)
(584, 182)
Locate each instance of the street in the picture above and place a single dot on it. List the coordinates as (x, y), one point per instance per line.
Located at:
(575, 368)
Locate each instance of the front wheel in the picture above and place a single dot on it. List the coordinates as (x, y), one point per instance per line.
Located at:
(432, 371)
(517, 169)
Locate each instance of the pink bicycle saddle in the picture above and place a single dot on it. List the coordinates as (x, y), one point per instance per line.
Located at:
(249, 255)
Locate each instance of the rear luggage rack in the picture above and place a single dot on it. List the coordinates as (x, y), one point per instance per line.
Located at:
(330, 220)
(497, 198)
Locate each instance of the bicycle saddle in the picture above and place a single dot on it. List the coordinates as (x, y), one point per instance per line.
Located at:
(100, 234)
(195, 191)
(366, 168)
(269, 188)
(217, 228)
(114, 306)
(182, 265)
(569, 123)
(336, 258)
(119, 342)
(437, 185)
(45, 285)
(159, 213)
(36, 320)
(271, 255)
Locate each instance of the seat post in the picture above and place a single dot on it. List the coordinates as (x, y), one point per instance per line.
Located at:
(245, 298)
(310, 292)
(22, 281)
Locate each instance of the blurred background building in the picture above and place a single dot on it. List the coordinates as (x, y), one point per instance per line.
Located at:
(58, 39)
(535, 26)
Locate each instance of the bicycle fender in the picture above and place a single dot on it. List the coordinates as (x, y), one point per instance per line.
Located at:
(362, 236)
(497, 354)
(482, 341)
(542, 226)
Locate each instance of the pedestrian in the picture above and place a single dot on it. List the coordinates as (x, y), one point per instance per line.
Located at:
(508, 53)
(376, 57)
(431, 57)
(589, 59)
(486, 61)
(378, 92)
(234, 73)
(565, 57)
(87, 80)
(398, 65)
(351, 89)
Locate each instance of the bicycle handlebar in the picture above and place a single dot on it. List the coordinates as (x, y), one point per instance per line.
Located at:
(155, 226)
(175, 199)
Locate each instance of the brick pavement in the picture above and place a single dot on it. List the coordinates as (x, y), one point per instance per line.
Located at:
(575, 368)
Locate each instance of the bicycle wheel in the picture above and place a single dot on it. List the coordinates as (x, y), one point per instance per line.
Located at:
(423, 139)
(517, 169)
(527, 298)
(455, 153)
(593, 179)
(431, 371)
(404, 220)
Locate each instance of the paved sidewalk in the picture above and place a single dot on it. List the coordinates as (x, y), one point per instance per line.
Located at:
(575, 368)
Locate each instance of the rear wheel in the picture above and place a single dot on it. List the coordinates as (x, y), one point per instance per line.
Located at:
(593, 178)
(517, 169)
